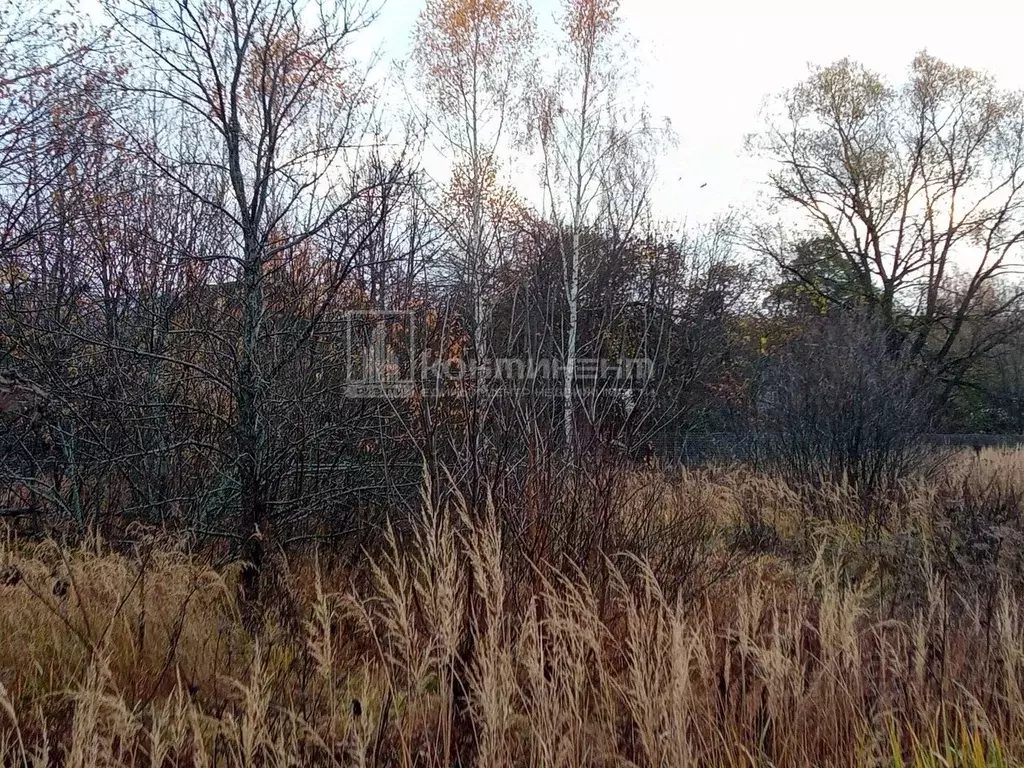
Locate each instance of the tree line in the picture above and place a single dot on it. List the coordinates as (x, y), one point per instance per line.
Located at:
(211, 214)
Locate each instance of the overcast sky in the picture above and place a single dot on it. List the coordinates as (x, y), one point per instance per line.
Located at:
(709, 66)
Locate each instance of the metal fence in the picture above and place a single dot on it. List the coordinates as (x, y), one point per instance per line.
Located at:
(698, 448)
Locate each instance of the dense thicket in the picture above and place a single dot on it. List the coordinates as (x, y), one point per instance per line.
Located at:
(212, 227)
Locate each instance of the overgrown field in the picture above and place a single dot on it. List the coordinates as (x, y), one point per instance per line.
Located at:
(779, 628)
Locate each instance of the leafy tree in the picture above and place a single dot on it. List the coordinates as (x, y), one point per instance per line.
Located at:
(906, 180)
(817, 279)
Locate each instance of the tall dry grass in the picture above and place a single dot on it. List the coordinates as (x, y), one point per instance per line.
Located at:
(437, 653)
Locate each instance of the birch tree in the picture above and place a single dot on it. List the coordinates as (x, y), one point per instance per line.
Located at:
(474, 59)
(595, 169)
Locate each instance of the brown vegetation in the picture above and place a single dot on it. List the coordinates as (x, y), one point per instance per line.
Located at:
(311, 456)
(817, 645)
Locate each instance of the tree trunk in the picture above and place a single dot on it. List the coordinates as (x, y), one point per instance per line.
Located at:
(251, 426)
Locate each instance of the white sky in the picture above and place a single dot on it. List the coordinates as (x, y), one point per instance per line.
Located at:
(710, 66)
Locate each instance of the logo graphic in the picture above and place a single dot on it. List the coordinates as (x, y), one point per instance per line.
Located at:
(384, 360)
(380, 353)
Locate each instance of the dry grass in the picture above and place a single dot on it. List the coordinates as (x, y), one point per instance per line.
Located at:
(803, 654)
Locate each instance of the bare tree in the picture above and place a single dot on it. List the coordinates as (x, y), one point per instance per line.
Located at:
(908, 181)
(596, 168)
(45, 66)
(269, 115)
(474, 59)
